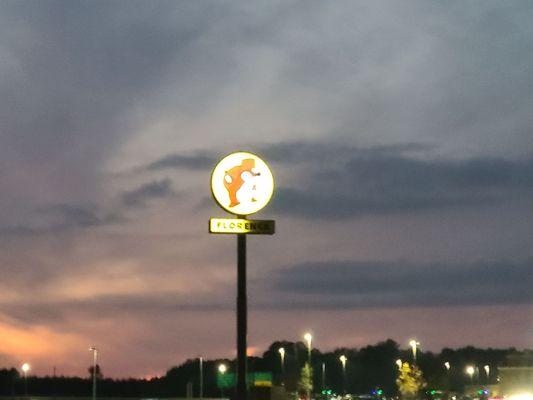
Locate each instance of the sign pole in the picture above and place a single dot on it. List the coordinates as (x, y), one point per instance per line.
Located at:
(242, 184)
(241, 317)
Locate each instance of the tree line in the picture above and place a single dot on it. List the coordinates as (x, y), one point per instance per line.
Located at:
(366, 369)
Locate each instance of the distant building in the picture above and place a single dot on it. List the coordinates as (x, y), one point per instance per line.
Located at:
(517, 375)
(516, 380)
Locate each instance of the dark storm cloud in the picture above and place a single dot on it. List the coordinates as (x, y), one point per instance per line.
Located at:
(313, 152)
(60, 218)
(336, 180)
(376, 284)
(43, 310)
(332, 286)
(285, 153)
(77, 216)
(153, 190)
(64, 217)
(376, 183)
(177, 161)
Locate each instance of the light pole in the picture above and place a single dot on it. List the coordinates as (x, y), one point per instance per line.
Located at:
(487, 372)
(222, 369)
(281, 352)
(447, 366)
(201, 366)
(25, 368)
(323, 376)
(343, 360)
(95, 363)
(309, 338)
(413, 343)
(470, 371)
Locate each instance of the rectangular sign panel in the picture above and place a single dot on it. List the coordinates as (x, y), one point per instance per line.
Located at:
(237, 225)
(227, 380)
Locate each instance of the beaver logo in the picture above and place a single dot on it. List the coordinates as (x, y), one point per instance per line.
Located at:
(239, 182)
(242, 183)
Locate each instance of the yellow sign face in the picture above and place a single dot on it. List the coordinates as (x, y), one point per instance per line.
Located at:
(238, 225)
(242, 183)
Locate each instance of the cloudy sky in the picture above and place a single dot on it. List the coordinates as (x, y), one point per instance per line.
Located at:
(400, 135)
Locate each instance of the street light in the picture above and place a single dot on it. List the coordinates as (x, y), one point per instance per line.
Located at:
(281, 351)
(470, 371)
(413, 343)
(25, 368)
(95, 361)
(323, 376)
(222, 370)
(487, 372)
(308, 338)
(447, 365)
(399, 363)
(201, 366)
(343, 362)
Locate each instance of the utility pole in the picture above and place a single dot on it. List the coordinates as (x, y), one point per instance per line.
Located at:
(95, 364)
(201, 378)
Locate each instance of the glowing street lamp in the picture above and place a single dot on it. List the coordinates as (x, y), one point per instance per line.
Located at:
(399, 363)
(470, 371)
(222, 370)
(413, 343)
(308, 338)
(95, 363)
(343, 360)
(281, 351)
(447, 366)
(487, 372)
(25, 368)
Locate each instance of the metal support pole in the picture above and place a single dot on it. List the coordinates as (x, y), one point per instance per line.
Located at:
(95, 364)
(241, 317)
(310, 370)
(26, 383)
(323, 376)
(54, 384)
(344, 379)
(201, 378)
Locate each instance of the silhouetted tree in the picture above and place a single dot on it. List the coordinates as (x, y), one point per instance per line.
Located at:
(366, 368)
(99, 374)
(8, 378)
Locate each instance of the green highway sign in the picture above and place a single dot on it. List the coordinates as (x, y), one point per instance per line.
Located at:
(239, 226)
(227, 380)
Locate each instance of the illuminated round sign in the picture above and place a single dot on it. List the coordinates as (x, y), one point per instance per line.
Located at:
(242, 183)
